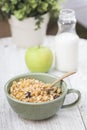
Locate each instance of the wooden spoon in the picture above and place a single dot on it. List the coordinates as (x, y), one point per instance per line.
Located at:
(61, 78)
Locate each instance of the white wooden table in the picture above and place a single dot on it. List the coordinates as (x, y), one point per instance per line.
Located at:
(12, 63)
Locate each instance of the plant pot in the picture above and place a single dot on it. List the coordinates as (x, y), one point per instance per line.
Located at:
(24, 34)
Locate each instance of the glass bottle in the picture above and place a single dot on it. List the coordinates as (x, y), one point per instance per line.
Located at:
(66, 45)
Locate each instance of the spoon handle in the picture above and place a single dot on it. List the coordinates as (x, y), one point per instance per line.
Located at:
(61, 78)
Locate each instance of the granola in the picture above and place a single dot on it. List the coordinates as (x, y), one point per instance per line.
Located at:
(33, 90)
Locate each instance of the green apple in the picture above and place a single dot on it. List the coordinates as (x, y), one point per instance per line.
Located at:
(39, 59)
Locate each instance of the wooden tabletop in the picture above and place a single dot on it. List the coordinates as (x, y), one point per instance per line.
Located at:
(12, 63)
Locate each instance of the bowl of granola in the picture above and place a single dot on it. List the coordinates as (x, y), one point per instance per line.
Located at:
(31, 97)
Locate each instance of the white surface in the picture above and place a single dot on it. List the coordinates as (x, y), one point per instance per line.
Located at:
(12, 63)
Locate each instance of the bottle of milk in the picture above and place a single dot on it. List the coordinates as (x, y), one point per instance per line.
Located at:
(66, 42)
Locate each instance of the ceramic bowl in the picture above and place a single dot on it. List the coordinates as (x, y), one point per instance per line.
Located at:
(39, 111)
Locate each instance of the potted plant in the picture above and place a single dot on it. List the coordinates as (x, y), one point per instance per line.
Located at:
(28, 19)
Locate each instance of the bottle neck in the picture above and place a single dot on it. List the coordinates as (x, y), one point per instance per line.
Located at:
(66, 27)
(67, 21)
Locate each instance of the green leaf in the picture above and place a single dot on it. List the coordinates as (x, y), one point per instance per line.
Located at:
(22, 9)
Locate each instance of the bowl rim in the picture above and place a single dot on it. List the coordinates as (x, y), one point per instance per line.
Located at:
(33, 103)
